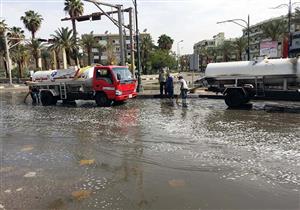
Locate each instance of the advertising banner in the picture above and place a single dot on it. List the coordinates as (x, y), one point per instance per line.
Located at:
(269, 48)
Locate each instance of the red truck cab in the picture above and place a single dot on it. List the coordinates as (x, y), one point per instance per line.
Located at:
(113, 83)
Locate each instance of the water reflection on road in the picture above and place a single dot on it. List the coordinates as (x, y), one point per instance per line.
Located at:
(147, 155)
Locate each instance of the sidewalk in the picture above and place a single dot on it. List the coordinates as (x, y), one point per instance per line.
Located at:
(14, 87)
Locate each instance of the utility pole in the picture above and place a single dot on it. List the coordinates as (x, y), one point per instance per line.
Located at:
(131, 42)
(7, 57)
(122, 56)
(138, 48)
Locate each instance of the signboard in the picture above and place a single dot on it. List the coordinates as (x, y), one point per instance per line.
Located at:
(295, 43)
(194, 62)
(269, 48)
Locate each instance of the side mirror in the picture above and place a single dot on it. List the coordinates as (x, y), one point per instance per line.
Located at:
(119, 76)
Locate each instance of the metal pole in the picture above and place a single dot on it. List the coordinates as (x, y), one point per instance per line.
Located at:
(131, 43)
(289, 26)
(122, 56)
(7, 57)
(248, 29)
(138, 48)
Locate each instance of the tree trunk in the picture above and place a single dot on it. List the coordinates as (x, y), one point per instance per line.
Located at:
(33, 34)
(6, 70)
(75, 40)
(68, 57)
(20, 69)
(36, 62)
(57, 60)
(89, 57)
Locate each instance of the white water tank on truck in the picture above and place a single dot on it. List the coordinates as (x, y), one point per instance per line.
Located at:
(260, 67)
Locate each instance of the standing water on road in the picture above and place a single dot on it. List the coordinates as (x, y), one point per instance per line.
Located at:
(147, 155)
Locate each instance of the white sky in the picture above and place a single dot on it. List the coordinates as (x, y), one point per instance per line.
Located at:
(188, 20)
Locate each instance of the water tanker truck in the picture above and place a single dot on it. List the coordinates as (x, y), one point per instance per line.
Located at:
(241, 81)
(104, 84)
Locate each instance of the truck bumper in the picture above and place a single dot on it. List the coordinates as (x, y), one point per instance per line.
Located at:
(125, 97)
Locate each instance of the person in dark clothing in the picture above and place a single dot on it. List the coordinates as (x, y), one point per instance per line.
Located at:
(170, 86)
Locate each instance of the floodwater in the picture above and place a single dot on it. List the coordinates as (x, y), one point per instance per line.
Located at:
(147, 154)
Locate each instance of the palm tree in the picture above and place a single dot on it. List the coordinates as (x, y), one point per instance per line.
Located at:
(35, 46)
(63, 41)
(165, 42)
(146, 49)
(15, 34)
(240, 45)
(226, 50)
(32, 21)
(74, 8)
(275, 29)
(3, 28)
(45, 55)
(20, 55)
(88, 42)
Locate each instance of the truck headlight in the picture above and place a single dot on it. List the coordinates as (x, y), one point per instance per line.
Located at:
(118, 93)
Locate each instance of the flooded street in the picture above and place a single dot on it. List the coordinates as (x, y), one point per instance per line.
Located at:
(147, 154)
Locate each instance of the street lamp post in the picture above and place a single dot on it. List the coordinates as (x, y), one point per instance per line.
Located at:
(247, 27)
(178, 54)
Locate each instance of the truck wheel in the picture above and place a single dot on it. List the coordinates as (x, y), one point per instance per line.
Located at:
(47, 98)
(235, 98)
(102, 100)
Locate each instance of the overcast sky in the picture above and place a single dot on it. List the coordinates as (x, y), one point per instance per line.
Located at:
(188, 20)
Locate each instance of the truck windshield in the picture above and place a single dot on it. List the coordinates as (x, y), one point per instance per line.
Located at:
(124, 74)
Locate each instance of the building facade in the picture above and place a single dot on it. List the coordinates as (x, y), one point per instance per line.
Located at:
(109, 50)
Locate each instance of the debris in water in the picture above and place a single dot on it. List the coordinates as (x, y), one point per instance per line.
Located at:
(30, 174)
(19, 189)
(87, 162)
(177, 183)
(81, 194)
(7, 191)
(1, 206)
(6, 169)
(27, 148)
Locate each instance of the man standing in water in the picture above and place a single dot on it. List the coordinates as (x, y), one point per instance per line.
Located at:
(162, 81)
(183, 90)
(170, 86)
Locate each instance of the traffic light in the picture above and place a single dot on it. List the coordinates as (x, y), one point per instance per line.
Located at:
(96, 16)
(83, 18)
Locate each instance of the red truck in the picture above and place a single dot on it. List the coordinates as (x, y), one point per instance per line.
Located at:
(104, 84)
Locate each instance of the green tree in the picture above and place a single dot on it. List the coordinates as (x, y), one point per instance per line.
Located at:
(161, 59)
(147, 47)
(35, 46)
(165, 42)
(74, 8)
(46, 57)
(63, 40)
(88, 42)
(3, 27)
(226, 50)
(240, 46)
(32, 21)
(20, 55)
(15, 34)
(275, 29)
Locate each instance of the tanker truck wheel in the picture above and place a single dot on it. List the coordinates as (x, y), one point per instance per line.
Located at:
(47, 98)
(102, 100)
(235, 98)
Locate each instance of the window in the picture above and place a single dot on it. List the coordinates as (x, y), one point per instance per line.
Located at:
(104, 74)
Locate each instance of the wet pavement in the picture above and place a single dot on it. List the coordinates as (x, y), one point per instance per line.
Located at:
(147, 154)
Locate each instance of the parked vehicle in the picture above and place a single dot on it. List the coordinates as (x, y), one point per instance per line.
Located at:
(104, 84)
(239, 82)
